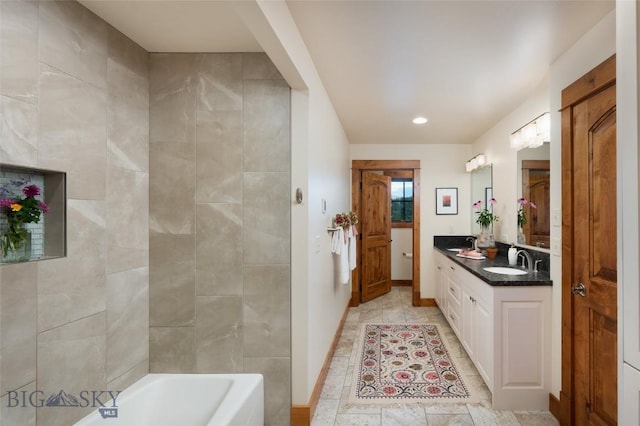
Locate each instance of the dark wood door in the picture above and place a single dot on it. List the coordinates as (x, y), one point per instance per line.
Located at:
(593, 263)
(536, 188)
(376, 236)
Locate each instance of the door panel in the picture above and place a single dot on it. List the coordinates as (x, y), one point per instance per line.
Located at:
(376, 235)
(595, 259)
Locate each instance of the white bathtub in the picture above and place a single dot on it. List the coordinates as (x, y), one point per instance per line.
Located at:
(185, 399)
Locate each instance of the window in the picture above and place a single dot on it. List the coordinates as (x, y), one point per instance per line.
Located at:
(401, 200)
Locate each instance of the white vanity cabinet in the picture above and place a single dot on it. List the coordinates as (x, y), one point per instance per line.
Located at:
(506, 331)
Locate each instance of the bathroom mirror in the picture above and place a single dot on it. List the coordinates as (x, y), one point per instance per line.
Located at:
(481, 189)
(534, 185)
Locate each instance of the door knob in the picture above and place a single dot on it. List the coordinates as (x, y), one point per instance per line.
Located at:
(579, 289)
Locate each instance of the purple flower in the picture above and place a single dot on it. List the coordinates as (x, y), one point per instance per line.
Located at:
(522, 201)
(492, 201)
(5, 202)
(31, 191)
(43, 206)
(477, 204)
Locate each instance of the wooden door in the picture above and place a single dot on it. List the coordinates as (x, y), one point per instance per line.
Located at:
(376, 235)
(536, 188)
(589, 156)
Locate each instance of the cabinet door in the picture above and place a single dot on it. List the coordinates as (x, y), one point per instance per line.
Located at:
(630, 396)
(468, 339)
(483, 331)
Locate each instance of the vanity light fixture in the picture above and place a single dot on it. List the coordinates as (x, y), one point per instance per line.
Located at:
(475, 163)
(419, 120)
(532, 134)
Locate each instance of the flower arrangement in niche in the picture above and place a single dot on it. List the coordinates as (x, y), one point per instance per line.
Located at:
(20, 211)
(522, 215)
(485, 217)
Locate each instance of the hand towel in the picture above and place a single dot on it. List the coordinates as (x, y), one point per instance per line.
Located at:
(352, 247)
(340, 250)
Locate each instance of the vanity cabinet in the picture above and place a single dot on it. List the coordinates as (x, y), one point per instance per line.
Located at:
(505, 330)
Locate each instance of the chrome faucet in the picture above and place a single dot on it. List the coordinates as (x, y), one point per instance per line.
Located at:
(473, 240)
(525, 255)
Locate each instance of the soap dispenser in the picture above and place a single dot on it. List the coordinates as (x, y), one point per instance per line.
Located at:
(512, 254)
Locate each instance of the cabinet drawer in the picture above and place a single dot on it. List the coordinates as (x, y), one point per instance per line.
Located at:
(453, 291)
(453, 317)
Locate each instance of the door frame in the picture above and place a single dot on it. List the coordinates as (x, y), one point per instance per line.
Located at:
(600, 78)
(357, 167)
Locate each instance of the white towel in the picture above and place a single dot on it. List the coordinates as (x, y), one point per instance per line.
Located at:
(353, 235)
(340, 251)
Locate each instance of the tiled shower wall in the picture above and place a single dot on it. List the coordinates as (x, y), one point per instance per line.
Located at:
(220, 220)
(74, 97)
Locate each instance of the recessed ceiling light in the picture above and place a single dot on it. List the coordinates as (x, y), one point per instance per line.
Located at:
(419, 120)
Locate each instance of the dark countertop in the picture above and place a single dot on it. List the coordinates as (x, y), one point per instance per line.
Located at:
(475, 267)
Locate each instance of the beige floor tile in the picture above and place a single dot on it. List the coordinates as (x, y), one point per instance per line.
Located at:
(334, 408)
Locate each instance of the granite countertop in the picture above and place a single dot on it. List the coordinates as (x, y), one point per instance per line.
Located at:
(475, 267)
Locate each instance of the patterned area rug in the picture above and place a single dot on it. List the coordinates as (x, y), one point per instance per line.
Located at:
(406, 363)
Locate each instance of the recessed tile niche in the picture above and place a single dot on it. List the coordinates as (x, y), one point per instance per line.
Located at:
(48, 236)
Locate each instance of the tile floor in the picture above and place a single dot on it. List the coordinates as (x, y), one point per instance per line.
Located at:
(334, 408)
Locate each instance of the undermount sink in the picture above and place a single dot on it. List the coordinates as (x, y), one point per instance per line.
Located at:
(504, 270)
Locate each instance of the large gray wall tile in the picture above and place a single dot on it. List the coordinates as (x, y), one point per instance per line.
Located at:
(73, 287)
(74, 40)
(19, 50)
(258, 66)
(172, 280)
(220, 82)
(13, 412)
(172, 350)
(72, 358)
(219, 279)
(266, 114)
(277, 387)
(267, 313)
(266, 218)
(19, 132)
(127, 321)
(219, 157)
(18, 326)
(172, 98)
(218, 234)
(172, 188)
(219, 334)
(72, 132)
(128, 219)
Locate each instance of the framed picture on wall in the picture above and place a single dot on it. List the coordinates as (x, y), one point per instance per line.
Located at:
(446, 200)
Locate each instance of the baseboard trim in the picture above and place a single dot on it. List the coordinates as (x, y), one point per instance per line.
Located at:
(301, 415)
(554, 406)
(428, 303)
(401, 283)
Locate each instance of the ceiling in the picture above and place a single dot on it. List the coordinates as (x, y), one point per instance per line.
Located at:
(462, 64)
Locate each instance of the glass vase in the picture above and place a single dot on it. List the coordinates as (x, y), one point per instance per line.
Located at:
(521, 238)
(20, 251)
(485, 238)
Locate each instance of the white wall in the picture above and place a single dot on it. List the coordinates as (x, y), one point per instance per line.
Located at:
(441, 166)
(628, 197)
(593, 48)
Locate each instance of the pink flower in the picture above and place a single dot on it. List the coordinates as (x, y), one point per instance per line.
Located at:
(532, 205)
(43, 206)
(492, 201)
(31, 191)
(522, 201)
(5, 202)
(477, 204)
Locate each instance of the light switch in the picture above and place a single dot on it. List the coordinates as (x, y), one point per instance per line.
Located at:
(556, 217)
(555, 247)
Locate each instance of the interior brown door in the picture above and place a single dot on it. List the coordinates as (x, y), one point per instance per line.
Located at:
(376, 236)
(593, 260)
(536, 188)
